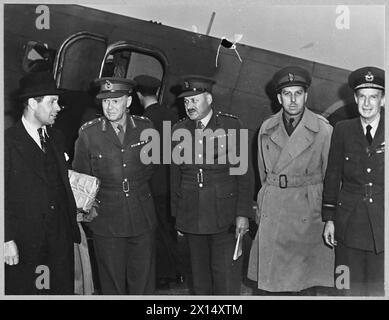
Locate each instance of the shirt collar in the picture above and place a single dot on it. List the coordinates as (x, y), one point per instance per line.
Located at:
(207, 118)
(32, 128)
(373, 124)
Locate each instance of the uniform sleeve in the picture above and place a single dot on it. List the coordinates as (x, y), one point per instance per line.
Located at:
(175, 184)
(245, 190)
(9, 218)
(333, 175)
(81, 161)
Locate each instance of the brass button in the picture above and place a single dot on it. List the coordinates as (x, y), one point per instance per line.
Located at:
(200, 185)
(52, 207)
(100, 156)
(124, 165)
(127, 195)
(371, 200)
(368, 170)
(122, 150)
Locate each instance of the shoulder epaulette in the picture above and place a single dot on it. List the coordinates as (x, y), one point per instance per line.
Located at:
(219, 113)
(322, 118)
(142, 118)
(91, 123)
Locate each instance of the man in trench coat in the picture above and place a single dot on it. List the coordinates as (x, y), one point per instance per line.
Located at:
(288, 253)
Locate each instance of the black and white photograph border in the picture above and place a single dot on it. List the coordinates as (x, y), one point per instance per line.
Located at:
(241, 44)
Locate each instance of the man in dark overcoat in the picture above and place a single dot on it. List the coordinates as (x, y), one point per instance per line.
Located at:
(40, 211)
(211, 203)
(353, 196)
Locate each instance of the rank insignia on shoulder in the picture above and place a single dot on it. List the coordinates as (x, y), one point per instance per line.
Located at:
(140, 143)
(140, 118)
(91, 123)
(219, 113)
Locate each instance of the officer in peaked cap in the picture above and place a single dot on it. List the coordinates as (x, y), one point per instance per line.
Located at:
(291, 76)
(293, 145)
(114, 87)
(123, 231)
(195, 84)
(211, 206)
(367, 77)
(354, 214)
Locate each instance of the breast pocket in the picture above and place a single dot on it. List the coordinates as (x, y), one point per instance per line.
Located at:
(351, 163)
(101, 162)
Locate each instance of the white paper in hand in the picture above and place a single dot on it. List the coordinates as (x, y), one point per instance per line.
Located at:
(238, 247)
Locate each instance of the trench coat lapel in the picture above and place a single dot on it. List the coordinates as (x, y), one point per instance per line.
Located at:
(301, 139)
(276, 131)
(29, 150)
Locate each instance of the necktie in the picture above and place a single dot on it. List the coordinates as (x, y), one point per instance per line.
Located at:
(289, 126)
(42, 139)
(369, 138)
(120, 133)
(199, 125)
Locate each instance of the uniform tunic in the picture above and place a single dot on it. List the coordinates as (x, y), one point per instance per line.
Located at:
(126, 206)
(288, 253)
(354, 186)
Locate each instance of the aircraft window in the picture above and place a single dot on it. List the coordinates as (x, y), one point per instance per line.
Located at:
(125, 63)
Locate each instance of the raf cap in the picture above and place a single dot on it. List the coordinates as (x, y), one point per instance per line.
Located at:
(367, 77)
(114, 87)
(194, 85)
(291, 76)
(145, 81)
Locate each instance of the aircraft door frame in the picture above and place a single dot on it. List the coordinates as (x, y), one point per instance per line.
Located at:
(141, 49)
(60, 59)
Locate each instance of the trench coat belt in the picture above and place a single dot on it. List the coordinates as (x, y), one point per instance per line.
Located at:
(367, 189)
(205, 177)
(125, 186)
(289, 181)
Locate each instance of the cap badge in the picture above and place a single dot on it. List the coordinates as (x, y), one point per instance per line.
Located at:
(291, 77)
(107, 85)
(369, 76)
(186, 84)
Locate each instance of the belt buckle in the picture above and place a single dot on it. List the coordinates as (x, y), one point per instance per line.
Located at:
(200, 178)
(283, 181)
(368, 190)
(125, 185)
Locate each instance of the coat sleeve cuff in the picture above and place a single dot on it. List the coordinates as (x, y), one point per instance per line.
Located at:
(328, 212)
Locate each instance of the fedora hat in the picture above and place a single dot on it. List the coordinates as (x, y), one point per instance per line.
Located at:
(36, 84)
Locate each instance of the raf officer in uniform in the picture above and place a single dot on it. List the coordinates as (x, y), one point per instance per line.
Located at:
(211, 206)
(353, 196)
(167, 255)
(109, 148)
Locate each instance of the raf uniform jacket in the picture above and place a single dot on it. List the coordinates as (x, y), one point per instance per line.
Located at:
(205, 198)
(125, 205)
(27, 191)
(160, 185)
(353, 194)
